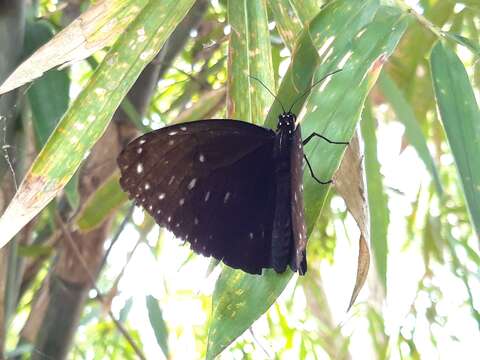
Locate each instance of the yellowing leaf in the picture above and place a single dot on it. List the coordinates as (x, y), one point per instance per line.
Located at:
(96, 28)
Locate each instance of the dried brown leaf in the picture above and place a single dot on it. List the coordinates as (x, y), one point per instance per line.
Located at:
(350, 185)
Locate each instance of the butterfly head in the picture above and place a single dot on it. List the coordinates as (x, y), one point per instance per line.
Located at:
(286, 122)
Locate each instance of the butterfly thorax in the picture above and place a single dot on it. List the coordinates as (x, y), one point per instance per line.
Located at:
(283, 141)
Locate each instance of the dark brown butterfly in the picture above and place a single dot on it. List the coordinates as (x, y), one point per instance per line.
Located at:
(232, 189)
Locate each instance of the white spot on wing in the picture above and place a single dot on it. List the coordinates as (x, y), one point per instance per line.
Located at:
(181, 202)
(207, 196)
(171, 133)
(183, 128)
(201, 158)
(139, 168)
(227, 196)
(169, 219)
(142, 141)
(250, 235)
(139, 150)
(195, 221)
(192, 183)
(147, 186)
(171, 180)
(161, 196)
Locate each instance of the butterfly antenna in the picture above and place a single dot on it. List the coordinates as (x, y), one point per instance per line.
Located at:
(265, 86)
(311, 87)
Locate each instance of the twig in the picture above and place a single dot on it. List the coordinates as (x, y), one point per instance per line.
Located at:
(258, 343)
(5, 148)
(82, 261)
(421, 19)
(129, 257)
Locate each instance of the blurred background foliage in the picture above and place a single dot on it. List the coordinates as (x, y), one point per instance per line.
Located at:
(91, 277)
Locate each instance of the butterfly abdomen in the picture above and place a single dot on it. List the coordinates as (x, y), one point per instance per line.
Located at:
(282, 224)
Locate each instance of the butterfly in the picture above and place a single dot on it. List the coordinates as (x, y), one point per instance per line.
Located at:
(231, 189)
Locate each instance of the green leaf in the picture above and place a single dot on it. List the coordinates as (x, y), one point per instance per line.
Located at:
(106, 199)
(327, 38)
(288, 23)
(48, 97)
(460, 117)
(468, 43)
(158, 324)
(34, 250)
(413, 131)
(377, 199)
(334, 110)
(239, 298)
(204, 107)
(232, 312)
(290, 17)
(125, 310)
(88, 117)
(249, 54)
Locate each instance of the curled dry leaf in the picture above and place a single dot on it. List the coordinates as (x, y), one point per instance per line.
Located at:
(350, 185)
(96, 28)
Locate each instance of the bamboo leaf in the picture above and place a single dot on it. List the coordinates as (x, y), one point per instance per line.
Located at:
(89, 115)
(460, 117)
(468, 43)
(158, 324)
(249, 54)
(106, 199)
(48, 97)
(204, 107)
(377, 199)
(291, 16)
(96, 28)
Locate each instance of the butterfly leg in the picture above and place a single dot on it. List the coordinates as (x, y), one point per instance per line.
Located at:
(310, 137)
(313, 175)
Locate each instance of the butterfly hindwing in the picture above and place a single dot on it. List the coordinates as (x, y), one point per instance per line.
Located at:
(298, 260)
(209, 182)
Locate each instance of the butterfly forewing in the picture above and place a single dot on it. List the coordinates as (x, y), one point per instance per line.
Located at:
(298, 260)
(210, 182)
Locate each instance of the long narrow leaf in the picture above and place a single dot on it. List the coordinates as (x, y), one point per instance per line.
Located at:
(461, 119)
(96, 28)
(377, 199)
(291, 16)
(158, 324)
(248, 100)
(249, 54)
